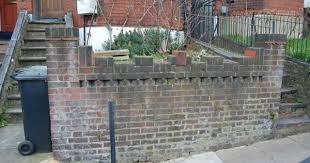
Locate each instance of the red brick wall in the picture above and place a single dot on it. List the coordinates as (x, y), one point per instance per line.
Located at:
(281, 7)
(24, 5)
(128, 12)
(162, 111)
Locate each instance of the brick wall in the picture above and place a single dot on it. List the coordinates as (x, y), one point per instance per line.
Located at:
(162, 111)
(282, 7)
(128, 12)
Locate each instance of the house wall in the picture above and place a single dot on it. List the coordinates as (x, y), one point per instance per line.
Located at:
(127, 13)
(280, 7)
(162, 111)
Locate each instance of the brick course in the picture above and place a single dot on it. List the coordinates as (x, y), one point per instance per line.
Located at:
(283, 7)
(162, 111)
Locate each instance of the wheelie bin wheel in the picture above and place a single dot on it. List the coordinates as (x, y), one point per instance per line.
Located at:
(25, 148)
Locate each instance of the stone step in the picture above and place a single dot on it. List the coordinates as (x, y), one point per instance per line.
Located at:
(2, 55)
(3, 48)
(35, 33)
(48, 21)
(35, 42)
(4, 42)
(14, 97)
(34, 51)
(32, 59)
(13, 87)
(292, 109)
(35, 30)
(291, 126)
(33, 48)
(35, 39)
(292, 105)
(44, 25)
(15, 114)
(285, 91)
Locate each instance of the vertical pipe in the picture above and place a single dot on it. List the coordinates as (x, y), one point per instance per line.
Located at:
(112, 131)
(84, 33)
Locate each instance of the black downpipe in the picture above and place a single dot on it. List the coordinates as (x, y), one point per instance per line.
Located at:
(84, 32)
(112, 131)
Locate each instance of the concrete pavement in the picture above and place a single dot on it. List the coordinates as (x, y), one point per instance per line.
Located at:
(293, 149)
(10, 137)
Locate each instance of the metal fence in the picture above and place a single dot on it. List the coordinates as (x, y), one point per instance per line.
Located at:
(238, 32)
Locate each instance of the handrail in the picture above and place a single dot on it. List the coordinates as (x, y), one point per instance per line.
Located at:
(9, 54)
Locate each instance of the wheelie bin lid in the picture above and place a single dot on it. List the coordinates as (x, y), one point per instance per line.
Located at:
(31, 73)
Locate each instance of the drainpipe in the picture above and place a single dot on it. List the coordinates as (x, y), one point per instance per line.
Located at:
(112, 131)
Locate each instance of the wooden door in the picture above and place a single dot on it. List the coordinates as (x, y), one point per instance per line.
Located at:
(8, 15)
(52, 8)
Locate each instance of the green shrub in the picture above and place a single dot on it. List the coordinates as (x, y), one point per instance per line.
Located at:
(138, 42)
(3, 121)
(299, 48)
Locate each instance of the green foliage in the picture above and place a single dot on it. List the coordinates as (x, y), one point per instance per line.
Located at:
(247, 40)
(141, 43)
(299, 48)
(274, 115)
(3, 121)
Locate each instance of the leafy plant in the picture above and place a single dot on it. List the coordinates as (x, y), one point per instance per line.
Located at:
(274, 115)
(3, 121)
(142, 43)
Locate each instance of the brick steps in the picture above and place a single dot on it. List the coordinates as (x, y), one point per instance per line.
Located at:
(45, 24)
(3, 47)
(285, 91)
(292, 105)
(33, 48)
(293, 117)
(31, 59)
(33, 53)
(35, 39)
(292, 125)
(13, 97)
(15, 114)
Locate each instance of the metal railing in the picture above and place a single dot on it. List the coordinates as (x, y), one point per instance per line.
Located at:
(239, 32)
(12, 49)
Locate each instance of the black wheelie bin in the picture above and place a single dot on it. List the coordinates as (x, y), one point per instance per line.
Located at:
(32, 82)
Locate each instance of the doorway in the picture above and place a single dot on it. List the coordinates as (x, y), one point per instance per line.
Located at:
(46, 9)
(8, 15)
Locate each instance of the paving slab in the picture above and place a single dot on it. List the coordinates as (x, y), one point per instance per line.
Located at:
(243, 154)
(209, 157)
(302, 139)
(293, 149)
(283, 150)
(10, 137)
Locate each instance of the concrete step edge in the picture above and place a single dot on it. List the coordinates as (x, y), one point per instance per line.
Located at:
(35, 39)
(36, 30)
(292, 105)
(14, 97)
(34, 48)
(14, 111)
(292, 121)
(288, 91)
(47, 22)
(29, 59)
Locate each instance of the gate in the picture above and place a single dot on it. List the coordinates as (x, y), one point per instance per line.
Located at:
(49, 8)
(202, 23)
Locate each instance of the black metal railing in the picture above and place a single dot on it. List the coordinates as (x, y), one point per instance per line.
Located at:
(239, 32)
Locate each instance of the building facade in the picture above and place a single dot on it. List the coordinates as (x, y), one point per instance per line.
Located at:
(283, 7)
